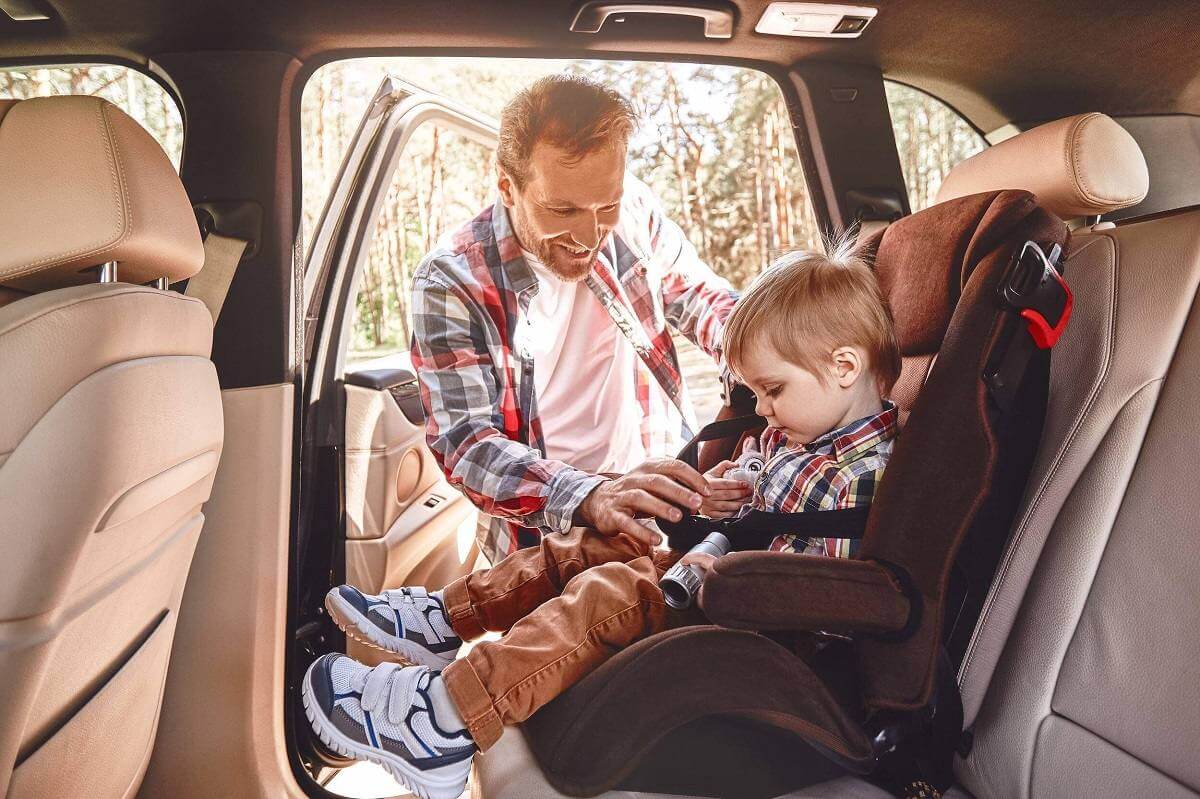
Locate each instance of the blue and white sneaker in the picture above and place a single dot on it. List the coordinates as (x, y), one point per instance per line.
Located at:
(410, 623)
(399, 717)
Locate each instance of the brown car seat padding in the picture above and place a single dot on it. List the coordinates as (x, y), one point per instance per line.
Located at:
(670, 679)
(956, 473)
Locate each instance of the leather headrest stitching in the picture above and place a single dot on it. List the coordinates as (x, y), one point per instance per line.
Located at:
(82, 184)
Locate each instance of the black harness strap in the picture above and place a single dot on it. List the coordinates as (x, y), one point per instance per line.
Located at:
(756, 529)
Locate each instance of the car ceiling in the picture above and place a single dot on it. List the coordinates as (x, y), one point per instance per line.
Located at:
(995, 62)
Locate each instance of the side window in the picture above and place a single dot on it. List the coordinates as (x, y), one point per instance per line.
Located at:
(930, 138)
(715, 143)
(133, 92)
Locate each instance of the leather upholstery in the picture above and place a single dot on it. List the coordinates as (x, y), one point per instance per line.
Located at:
(1083, 670)
(82, 184)
(1083, 165)
(110, 436)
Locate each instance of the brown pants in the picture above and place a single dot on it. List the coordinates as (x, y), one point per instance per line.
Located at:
(565, 607)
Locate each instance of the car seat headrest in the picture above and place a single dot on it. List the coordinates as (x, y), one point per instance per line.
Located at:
(82, 184)
(1084, 165)
(923, 261)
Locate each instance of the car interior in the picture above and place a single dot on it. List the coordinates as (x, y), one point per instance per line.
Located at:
(177, 327)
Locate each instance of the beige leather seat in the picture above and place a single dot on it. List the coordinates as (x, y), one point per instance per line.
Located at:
(110, 433)
(1083, 678)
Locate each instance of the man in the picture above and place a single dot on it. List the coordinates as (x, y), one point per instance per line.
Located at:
(551, 385)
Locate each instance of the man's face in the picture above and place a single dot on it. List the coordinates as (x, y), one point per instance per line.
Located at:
(565, 211)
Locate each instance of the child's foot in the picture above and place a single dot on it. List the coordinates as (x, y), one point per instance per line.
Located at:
(398, 717)
(408, 622)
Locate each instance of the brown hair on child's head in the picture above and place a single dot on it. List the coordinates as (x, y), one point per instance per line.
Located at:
(807, 304)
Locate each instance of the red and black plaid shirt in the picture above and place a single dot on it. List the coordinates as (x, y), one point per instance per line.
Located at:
(470, 295)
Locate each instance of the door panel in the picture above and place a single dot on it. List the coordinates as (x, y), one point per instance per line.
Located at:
(401, 514)
(405, 525)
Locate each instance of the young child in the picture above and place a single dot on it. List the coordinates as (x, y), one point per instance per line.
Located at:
(813, 339)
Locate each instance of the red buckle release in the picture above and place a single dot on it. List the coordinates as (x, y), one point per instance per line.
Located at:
(1043, 334)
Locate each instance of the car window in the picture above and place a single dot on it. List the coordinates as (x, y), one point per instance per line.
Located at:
(931, 138)
(715, 143)
(133, 92)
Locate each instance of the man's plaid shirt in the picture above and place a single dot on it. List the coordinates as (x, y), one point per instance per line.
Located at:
(470, 297)
(841, 469)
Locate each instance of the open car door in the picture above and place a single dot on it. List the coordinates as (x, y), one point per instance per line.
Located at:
(377, 511)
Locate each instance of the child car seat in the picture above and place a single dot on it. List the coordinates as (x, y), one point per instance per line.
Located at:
(978, 309)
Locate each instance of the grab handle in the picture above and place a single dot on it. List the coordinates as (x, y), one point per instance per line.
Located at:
(718, 17)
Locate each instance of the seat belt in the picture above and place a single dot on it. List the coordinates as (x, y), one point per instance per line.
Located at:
(210, 285)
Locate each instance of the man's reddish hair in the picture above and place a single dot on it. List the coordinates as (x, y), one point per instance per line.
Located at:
(570, 112)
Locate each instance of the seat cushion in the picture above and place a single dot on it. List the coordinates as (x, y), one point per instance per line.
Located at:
(109, 442)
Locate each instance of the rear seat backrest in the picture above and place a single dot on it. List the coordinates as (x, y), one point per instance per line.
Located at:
(110, 433)
(1082, 676)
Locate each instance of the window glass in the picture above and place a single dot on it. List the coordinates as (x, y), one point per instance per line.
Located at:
(133, 92)
(930, 138)
(714, 142)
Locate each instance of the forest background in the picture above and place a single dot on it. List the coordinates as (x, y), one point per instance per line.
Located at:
(714, 142)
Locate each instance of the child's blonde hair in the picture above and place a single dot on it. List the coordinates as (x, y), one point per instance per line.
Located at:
(806, 305)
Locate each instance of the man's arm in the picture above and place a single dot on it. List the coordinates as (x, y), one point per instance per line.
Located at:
(464, 424)
(465, 417)
(696, 299)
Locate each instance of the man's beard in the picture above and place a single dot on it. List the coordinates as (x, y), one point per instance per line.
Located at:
(549, 253)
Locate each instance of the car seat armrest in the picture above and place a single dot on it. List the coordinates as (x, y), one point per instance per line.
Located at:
(788, 591)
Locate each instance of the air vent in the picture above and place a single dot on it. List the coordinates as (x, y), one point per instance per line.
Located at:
(815, 19)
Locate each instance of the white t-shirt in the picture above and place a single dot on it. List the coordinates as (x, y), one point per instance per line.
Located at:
(584, 375)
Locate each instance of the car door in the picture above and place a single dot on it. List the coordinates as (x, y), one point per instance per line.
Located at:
(381, 513)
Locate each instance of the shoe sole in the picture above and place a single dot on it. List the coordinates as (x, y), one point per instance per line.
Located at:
(446, 782)
(350, 621)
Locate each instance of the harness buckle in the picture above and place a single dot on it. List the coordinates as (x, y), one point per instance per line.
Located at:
(1034, 289)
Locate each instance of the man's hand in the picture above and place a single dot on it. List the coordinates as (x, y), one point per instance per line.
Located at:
(659, 487)
(727, 496)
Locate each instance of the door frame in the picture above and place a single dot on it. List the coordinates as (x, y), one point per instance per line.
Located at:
(333, 268)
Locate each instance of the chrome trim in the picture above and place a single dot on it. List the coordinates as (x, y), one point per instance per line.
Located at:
(107, 272)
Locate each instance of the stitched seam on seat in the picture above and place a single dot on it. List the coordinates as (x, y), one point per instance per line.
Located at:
(133, 290)
(1099, 562)
(88, 248)
(50, 408)
(1089, 194)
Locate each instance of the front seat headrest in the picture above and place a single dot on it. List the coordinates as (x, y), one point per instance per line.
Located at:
(82, 184)
(1085, 165)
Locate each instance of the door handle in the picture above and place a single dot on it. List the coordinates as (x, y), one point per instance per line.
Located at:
(718, 16)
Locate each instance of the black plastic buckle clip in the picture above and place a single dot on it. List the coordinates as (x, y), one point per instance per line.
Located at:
(1034, 288)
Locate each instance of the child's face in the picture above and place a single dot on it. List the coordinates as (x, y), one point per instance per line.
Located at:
(794, 400)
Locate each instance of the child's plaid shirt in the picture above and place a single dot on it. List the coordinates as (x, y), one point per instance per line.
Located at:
(470, 298)
(841, 469)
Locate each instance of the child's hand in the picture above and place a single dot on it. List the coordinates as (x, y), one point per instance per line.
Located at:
(726, 496)
(704, 562)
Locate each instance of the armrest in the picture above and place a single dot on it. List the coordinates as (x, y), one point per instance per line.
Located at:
(787, 591)
(380, 379)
